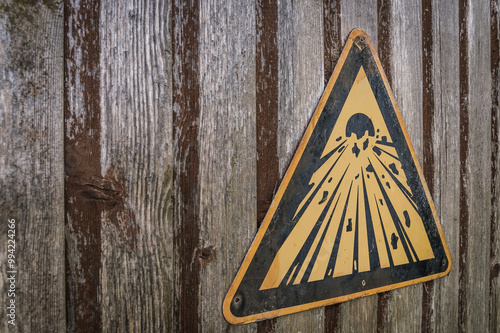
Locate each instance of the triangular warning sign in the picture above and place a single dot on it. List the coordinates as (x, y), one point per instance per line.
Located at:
(353, 215)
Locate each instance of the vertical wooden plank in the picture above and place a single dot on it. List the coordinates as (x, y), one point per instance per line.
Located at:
(227, 152)
(475, 172)
(86, 192)
(301, 84)
(404, 305)
(494, 320)
(32, 165)
(444, 136)
(359, 314)
(136, 163)
(186, 107)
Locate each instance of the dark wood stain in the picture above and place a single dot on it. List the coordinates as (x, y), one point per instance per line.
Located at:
(332, 40)
(84, 196)
(428, 137)
(185, 20)
(428, 93)
(464, 144)
(382, 310)
(384, 52)
(332, 318)
(384, 11)
(495, 109)
(331, 36)
(427, 311)
(267, 114)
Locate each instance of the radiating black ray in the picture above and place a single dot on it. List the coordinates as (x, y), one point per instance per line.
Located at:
(327, 156)
(299, 260)
(388, 249)
(355, 254)
(395, 218)
(403, 189)
(407, 239)
(372, 243)
(307, 274)
(333, 257)
(386, 152)
(318, 187)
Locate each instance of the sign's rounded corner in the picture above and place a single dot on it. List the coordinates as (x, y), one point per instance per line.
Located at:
(358, 32)
(449, 262)
(226, 310)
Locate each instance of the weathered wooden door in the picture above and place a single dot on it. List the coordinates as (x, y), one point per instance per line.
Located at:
(142, 141)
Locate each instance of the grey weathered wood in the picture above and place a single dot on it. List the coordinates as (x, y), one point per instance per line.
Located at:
(494, 322)
(478, 175)
(359, 315)
(31, 163)
(227, 151)
(446, 156)
(361, 14)
(301, 84)
(404, 307)
(136, 152)
(137, 157)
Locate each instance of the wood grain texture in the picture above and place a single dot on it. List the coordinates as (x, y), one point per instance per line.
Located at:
(361, 14)
(477, 171)
(404, 307)
(301, 84)
(494, 322)
(186, 107)
(136, 284)
(87, 193)
(359, 315)
(227, 141)
(446, 141)
(31, 163)
(266, 97)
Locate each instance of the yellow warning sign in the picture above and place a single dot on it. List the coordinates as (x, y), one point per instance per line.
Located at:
(353, 215)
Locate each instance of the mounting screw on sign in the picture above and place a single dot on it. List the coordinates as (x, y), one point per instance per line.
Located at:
(353, 215)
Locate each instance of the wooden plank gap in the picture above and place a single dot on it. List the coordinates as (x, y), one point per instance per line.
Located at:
(428, 137)
(332, 318)
(85, 193)
(268, 176)
(332, 36)
(384, 12)
(464, 152)
(186, 91)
